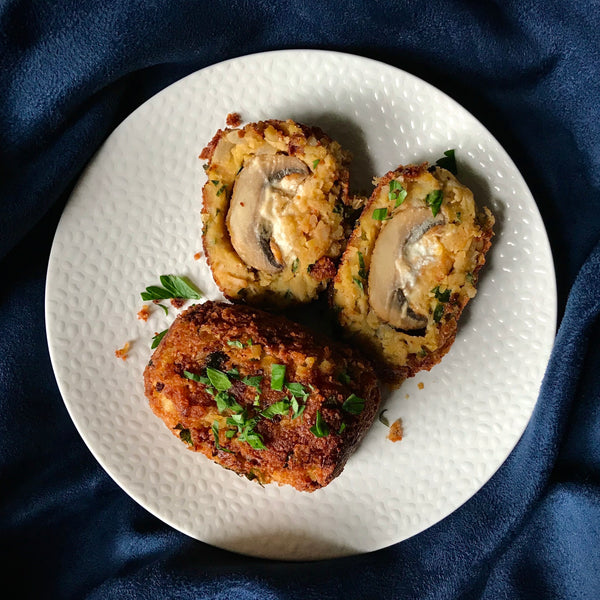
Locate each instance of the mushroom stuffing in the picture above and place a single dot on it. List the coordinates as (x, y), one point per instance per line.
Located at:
(410, 267)
(273, 213)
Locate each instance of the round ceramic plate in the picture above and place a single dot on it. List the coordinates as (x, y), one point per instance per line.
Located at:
(135, 214)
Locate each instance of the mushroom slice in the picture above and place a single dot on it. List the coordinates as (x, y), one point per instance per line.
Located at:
(399, 255)
(252, 221)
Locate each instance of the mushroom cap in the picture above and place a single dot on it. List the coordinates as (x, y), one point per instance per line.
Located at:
(398, 258)
(265, 183)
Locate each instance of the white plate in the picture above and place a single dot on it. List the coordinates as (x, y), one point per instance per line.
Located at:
(135, 215)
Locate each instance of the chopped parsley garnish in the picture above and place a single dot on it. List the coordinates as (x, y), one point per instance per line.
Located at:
(215, 431)
(397, 193)
(235, 344)
(173, 286)
(163, 307)
(253, 381)
(277, 408)
(218, 379)
(434, 201)
(320, 428)
(359, 283)
(198, 378)
(344, 378)
(342, 427)
(297, 389)
(295, 265)
(316, 162)
(277, 377)
(469, 277)
(383, 419)
(362, 271)
(157, 337)
(353, 405)
(221, 190)
(380, 214)
(441, 296)
(185, 435)
(226, 401)
(438, 312)
(448, 162)
(297, 408)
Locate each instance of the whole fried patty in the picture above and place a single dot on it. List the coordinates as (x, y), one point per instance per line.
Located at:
(261, 395)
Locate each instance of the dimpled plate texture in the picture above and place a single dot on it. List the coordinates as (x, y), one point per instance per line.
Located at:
(135, 214)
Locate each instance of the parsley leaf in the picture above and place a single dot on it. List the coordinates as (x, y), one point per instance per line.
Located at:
(215, 431)
(198, 378)
(320, 428)
(173, 286)
(383, 419)
(218, 379)
(277, 408)
(226, 401)
(157, 337)
(235, 344)
(397, 193)
(438, 312)
(362, 271)
(353, 404)
(448, 162)
(380, 214)
(277, 377)
(434, 201)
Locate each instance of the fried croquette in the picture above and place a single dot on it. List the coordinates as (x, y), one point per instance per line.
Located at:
(410, 267)
(275, 208)
(261, 395)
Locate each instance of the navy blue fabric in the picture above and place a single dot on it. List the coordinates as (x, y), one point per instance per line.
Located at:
(70, 71)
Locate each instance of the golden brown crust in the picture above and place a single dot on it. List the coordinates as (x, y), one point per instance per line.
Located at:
(247, 342)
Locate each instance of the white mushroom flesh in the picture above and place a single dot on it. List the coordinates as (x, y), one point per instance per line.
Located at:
(403, 248)
(261, 198)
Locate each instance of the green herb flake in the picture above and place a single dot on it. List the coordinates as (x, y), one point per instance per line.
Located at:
(297, 408)
(383, 419)
(173, 286)
(195, 377)
(297, 389)
(438, 312)
(344, 378)
(277, 377)
(157, 337)
(448, 162)
(397, 193)
(316, 162)
(185, 435)
(362, 271)
(218, 379)
(226, 401)
(469, 277)
(295, 265)
(221, 190)
(164, 308)
(359, 283)
(341, 429)
(215, 182)
(441, 296)
(320, 428)
(235, 344)
(434, 201)
(353, 404)
(277, 408)
(380, 214)
(215, 431)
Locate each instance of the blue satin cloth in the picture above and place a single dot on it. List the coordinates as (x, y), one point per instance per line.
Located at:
(72, 70)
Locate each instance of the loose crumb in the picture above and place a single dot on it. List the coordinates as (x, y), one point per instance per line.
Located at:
(144, 313)
(407, 396)
(233, 120)
(396, 431)
(123, 352)
(177, 302)
(198, 256)
(420, 385)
